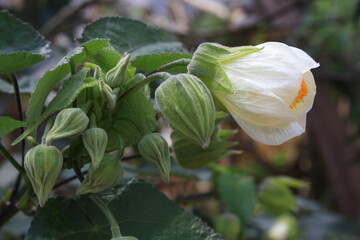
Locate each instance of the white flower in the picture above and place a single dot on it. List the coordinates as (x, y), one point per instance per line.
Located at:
(272, 90)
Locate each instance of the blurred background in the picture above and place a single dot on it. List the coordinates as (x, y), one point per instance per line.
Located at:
(326, 158)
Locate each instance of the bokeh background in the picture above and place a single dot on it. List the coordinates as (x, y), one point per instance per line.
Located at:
(326, 157)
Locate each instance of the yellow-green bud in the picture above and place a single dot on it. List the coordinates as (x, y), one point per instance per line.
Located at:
(43, 164)
(70, 122)
(117, 75)
(228, 225)
(109, 95)
(154, 148)
(95, 141)
(107, 175)
(188, 106)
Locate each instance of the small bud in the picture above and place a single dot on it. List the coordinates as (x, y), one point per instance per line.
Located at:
(95, 141)
(188, 106)
(109, 95)
(98, 74)
(228, 225)
(107, 175)
(43, 164)
(70, 122)
(154, 148)
(116, 76)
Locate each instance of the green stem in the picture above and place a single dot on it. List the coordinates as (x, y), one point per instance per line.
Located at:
(114, 226)
(12, 160)
(170, 65)
(148, 79)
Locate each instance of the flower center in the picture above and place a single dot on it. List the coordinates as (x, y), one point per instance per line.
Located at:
(303, 91)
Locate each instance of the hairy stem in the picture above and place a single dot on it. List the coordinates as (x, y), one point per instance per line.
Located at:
(170, 65)
(114, 226)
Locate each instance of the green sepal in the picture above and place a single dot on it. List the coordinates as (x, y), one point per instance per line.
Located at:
(154, 148)
(207, 62)
(188, 105)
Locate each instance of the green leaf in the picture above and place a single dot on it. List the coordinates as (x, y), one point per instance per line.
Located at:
(190, 155)
(8, 125)
(152, 62)
(133, 36)
(238, 193)
(158, 48)
(53, 77)
(21, 45)
(135, 117)
(140, 210)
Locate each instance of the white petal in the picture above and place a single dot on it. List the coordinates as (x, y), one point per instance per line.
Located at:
(272, 135)
(306, 62)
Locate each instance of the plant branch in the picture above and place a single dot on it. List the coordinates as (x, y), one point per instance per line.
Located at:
(170, 65)
(14, 81)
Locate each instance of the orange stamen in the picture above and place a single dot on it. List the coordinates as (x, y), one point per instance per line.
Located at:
(301, 94)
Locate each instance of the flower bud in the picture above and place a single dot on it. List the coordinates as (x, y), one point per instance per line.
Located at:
(154, 148)
(228, 225)
(95, 141)
(43, 164)
(188, 106)
(107, 175)
(70, 122)
(98, 74)
(125, 238)
(117, 75)
(109, 95)
(268, 88)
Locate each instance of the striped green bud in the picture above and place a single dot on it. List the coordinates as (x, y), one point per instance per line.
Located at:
(154, 148)
(107, 175)
(70, 122)
(95, 141)
(43, 164)
(228, 225)
(108, 94)
(98, 73)
(188, 106)
(117, 75)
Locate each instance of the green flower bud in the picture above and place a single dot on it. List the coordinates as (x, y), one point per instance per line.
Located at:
(70, 122)
(154, 148)
(109, 95)
(117, 75)
(98, 74)
(188, 106)
(43, 164)
(107, 175)
(228, 225)
(95, 141)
